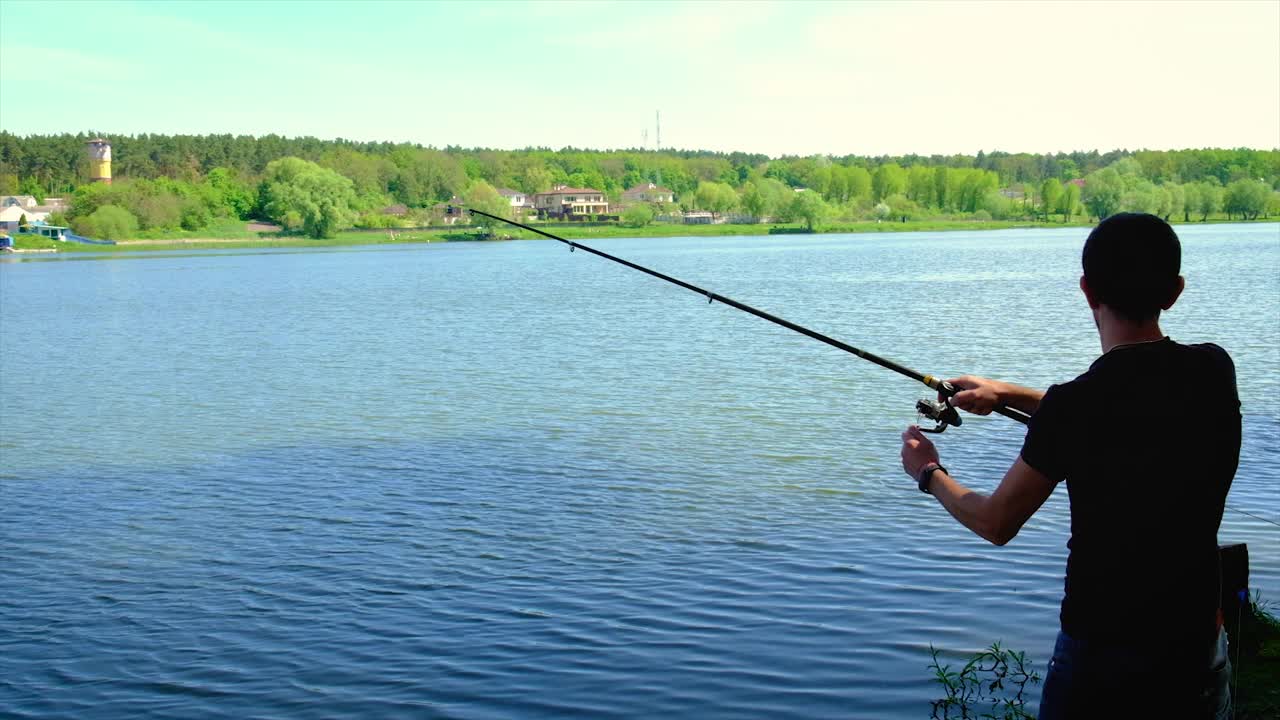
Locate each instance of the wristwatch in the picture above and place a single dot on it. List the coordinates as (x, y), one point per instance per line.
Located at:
(926, 474)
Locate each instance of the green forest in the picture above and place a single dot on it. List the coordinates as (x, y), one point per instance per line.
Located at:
(169, 183)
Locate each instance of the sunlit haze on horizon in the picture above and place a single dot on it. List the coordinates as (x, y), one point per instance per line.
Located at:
(779, 78)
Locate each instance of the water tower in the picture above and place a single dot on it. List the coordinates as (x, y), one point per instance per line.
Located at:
(99, 160)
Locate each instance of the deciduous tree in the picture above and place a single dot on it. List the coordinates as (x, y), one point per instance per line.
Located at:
(1210, 199)
(108, 222)
(902, 207)
(30, 186)
(238, 197)
(920, 185)
(889, 179)
(716, 197)
(859, 183)
(1102, 193)
(536, 179)
(809, 207)
(484, 197)
(1069, 202)
(1190, 200)
(1141, 197)
(637, 215)
(1177, 199)
(940, 187)
(752, 200)
(1246, 198)
(302, 195)
(1050, 196)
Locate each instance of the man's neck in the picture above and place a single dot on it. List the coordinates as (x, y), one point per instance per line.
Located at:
(1115, 331)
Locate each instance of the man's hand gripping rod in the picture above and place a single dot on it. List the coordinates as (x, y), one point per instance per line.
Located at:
(943, 413)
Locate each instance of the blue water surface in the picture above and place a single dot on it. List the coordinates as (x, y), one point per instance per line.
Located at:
(497, 480)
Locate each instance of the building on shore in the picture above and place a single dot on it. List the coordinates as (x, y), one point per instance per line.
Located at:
(649, 193)
(51, 232)
(12, 216)
(22, 201)
(566, 203)
(515, 197)
(448, 213)
(521, 204)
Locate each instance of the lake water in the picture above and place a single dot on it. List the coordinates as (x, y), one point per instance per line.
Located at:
(489, 480)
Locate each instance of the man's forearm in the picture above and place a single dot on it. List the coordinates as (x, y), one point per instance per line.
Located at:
(997, 517)
(1020, 398)
(969, 507)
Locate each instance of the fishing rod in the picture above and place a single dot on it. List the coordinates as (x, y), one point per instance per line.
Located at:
(941, 412)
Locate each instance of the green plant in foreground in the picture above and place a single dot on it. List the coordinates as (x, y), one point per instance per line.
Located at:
(1255, 661)
(990, 686)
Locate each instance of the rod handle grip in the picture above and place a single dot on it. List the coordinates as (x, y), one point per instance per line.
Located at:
(1012, 413)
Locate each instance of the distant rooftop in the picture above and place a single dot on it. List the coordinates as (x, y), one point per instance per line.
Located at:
(566, 190)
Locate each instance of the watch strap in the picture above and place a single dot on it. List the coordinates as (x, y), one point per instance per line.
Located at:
(926, 474)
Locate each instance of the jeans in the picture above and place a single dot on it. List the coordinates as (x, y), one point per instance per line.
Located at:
(1088, 680)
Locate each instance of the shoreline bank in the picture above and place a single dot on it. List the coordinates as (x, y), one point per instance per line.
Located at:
(567, 231)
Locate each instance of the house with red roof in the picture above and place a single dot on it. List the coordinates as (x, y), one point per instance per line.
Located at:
(570, 203)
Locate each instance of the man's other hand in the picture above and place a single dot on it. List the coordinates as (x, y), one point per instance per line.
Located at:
(917, 451)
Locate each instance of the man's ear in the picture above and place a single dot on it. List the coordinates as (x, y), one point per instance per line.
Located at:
(1182, 285)
(1088, 294)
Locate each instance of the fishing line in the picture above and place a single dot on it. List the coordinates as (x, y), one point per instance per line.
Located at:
(943, 413)
(1255, 517)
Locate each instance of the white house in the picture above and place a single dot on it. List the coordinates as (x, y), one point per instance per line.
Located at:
(515, 197)
(648, 192)
(11, 216)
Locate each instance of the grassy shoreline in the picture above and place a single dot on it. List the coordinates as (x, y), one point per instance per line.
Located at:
(230, 237)
(244, 239)
(1257, 663)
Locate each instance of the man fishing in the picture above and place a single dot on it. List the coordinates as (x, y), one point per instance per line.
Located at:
(1141, 629)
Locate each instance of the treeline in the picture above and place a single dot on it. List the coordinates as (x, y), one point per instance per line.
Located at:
(171, 182)
(119, 210)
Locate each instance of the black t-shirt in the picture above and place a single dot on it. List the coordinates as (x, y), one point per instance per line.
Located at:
(1148, 441)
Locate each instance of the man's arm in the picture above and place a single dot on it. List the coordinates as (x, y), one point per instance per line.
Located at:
(996, 518)
(980, 395)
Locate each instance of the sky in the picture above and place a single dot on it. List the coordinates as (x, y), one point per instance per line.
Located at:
(779, 78)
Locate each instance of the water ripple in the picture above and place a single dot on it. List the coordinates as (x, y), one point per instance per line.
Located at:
(491, 480)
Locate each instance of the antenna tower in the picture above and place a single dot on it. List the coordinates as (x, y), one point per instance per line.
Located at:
(657, 121)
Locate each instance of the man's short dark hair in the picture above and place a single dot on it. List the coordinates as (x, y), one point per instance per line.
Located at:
(1131, 264)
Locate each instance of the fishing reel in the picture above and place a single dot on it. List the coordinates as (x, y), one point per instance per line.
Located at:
(941, 412)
